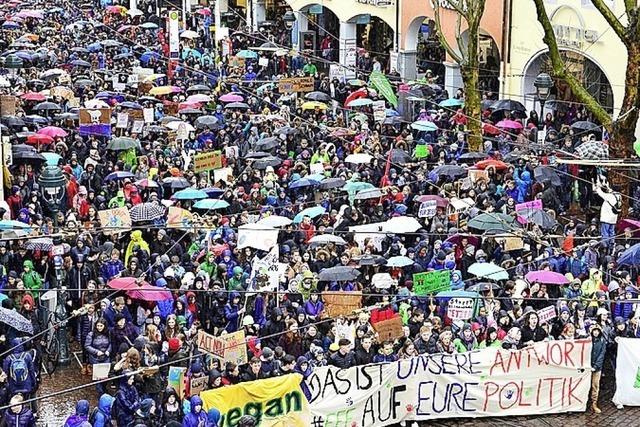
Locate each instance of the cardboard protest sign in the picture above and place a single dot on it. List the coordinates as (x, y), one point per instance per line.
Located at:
(204, 162)
(276, 402)
(431, 282)
(148, 115)
(198, 385)
(487, 382)
(8, 105)
(229, 348)
(257, 237)
(460, 308)
(428, 209)
(95, 121)
(175, 380)
(478, 175)
(100, 371)
(341, 303)
(296, 84)
(389, 330)
(179, 218)
(115, 220)
(266, 272)
(546, 314)
(123, 121)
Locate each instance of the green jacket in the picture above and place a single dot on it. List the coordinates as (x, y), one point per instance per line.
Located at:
(31, 279)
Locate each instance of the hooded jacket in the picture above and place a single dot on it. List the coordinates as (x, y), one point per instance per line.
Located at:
(136, 239)
(16, 386)
(102, 415)
(231, 313)
(127, 402)
(81, 417)
(31, 279)
(193, 418)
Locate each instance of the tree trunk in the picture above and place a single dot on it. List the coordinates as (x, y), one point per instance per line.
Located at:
(472, 106)
(624, 128)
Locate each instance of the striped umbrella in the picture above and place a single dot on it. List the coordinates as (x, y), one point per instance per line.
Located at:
(146, 212)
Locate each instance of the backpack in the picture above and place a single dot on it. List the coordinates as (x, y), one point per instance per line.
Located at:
(18, 370)
(618, 205)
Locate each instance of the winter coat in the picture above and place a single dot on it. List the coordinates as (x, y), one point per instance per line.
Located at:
(27, 386)
(80, 418)
(195, 419)
(127, 402)
(102, 416)
(598, 350)
(342, 361)
(313, 309)
(98, 342)
(85, 326)
(125, 335)
(23, 419)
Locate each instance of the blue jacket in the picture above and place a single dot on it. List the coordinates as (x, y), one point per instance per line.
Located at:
(231, 313)
(193, 418)
(102, 416)
(81, 417)
(110, 314)
(98, 342)
(27, 386)
(85, 325)
(598, 350)
(23, 419)
(313, 309)
(381, 358)
(524, 183)
(127, 402)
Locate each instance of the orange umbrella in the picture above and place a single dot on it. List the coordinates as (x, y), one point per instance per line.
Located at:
(496, 164)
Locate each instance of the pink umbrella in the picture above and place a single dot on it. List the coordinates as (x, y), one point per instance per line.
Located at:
(546, 277)
(457, 238)
(53, 132)
(509, 124)
(633, 224)
(124, 283)
(35, 14)
(231, 98)
(199, 98)
(146, 292)
(205, 12)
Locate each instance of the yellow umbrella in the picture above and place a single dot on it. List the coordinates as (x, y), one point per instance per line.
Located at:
(32, 37)
(162, 90)
(310, 105)
(153, 77)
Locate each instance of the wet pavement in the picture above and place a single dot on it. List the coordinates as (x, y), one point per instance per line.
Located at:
(54, 411)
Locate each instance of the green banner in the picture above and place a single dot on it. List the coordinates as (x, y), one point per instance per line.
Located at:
(381, 83)
(431, 282)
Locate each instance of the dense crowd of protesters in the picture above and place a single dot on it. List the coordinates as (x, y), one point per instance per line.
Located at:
(210, 280)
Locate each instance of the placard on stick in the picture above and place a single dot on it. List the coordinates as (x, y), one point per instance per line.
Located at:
(341, 303)
(389, 330)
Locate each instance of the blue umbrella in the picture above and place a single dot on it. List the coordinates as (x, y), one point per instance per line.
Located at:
(189, 194)
(424, 126)
(52, 158)
(15, 320)
(80, 63)
(114, 176)
(316, 177)
(94, 47)
(247, 54)
(10, 25)
(132, 105)
(451, 102)
(631, 256)
(148, 55)
(488, 270)
(312, 212)
(10, 224)
(213, 192)
(303, 182)
(390, 112)
(211, 204)
(23, 54)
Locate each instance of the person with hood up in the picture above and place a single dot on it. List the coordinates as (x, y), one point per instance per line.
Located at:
(466, 340)
(237, 279)
(20, 369)
(146, 414)
(209, 266)
(118, 201)
(197, 417)
(171, 407)
(232, 312)
(598, 351)
(456, 281)
(136, 240)
(31, 279)
(18, 414)
(512, 340)
(101, 415)
(523, 182)
(213, 417)
(81, 417)
(127, 400)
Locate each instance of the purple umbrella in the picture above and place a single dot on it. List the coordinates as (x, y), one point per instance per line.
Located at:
(230, 97)
(457, 238)
(547, 277)
(633, 224)
(509, 124)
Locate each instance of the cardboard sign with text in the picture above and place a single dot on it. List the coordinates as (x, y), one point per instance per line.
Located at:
(8, 105)
(296, 84)
(389, 330)
(460, 308)
(428, 209)
(115, 220)
(341, 303)
(229, 348)
(546, 314)
(431, 282)
(204, 162)
(198, 385)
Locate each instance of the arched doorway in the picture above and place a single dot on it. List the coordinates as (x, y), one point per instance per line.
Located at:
(430, 55)
(562, 100)
(489, 62)
(322, 33)
(374, 37)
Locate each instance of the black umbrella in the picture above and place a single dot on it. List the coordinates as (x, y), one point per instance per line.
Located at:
(267, 143)
(266, 162)
(110, 43)
(176, 182)
(545, 173)
(318, 96)
(539, 217)
(12, 121)
(286, 130)
(210, 122)
(47, 106)
(35, 119)
(83, 83)
(473, 156)
(486, 104)
(371, 260)
(507, 105)
(257, 155)
(190, 111)
(392, 120)
(156, 129)
(586, 126)
(450, 171)
(330, 183)
(28, 157)
(399, 156)
(339, 274)
(237, 105)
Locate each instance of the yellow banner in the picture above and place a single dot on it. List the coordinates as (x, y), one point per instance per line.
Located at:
(274, 402)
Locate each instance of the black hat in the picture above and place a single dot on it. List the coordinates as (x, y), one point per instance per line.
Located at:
(344, 341)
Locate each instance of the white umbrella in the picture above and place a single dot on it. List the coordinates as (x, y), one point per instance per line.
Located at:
(134, 12)
(176, 124)
(96, 103)
(382, 280)
(359, 158)
(323, 239)
(401, 224)
(275, 221)
(399, 261)
(488, 270)
(189, 34)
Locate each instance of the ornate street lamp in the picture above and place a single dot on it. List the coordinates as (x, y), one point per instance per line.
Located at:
(289, 19)
(53, 186)
(543, 84)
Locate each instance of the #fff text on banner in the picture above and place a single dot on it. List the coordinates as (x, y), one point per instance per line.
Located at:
(549, 377)
(274, 402)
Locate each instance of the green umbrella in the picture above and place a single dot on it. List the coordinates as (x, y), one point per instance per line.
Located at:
(380, 83)
(493, 221)
(123, 143)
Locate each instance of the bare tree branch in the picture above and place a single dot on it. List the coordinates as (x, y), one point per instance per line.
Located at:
(559, 69)
(443, 41)
(458, 5)
(612, 20)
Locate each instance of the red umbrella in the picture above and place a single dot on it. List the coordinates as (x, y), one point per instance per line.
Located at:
(33, 96)
(441, 202)
(53, 132)
(125, 283)
(490, 129)
(360, 93)
(457, 238)
(146, 292)
(497, 164)
(37, 138)
(633, 224)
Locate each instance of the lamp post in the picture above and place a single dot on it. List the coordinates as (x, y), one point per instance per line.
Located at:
(53, 185)
(543, 84)
(289, 20)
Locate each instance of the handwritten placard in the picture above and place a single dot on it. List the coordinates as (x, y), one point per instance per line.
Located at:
(460, 308)
(431, 282)
(341, 303)
(389, 330)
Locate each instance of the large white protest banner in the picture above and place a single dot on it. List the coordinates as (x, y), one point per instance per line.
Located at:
(628, 372)
(257, 237)
(548, 377)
